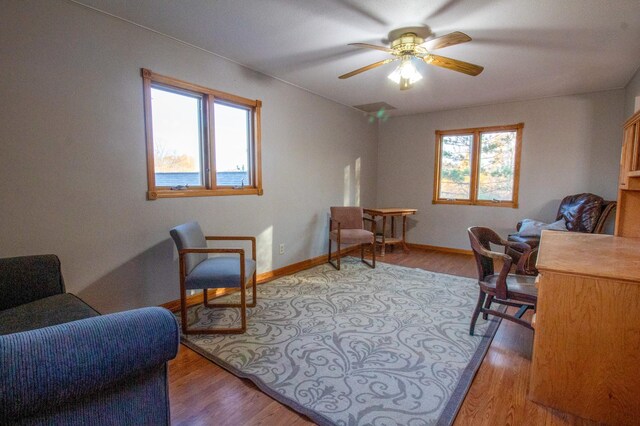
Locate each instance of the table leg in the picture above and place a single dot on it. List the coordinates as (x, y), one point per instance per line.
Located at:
(404, 234)
(384, 225)
(393, 230)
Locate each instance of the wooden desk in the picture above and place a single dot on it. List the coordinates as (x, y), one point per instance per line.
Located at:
(392, 212)
(586, 350)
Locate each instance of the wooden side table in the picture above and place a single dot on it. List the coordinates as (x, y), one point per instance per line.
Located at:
(391, 212)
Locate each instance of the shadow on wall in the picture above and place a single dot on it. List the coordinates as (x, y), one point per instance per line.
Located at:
(149, 279)
(547, 212)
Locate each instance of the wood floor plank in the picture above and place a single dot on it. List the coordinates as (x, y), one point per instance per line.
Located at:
(201, 393)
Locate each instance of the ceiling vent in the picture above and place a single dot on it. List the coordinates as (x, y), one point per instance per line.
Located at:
(375, 107)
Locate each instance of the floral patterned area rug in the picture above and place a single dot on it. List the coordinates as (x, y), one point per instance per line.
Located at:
(359, 346)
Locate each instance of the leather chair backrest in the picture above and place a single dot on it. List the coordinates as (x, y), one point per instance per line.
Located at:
(581, 212)
(189, 235)
(349, 217)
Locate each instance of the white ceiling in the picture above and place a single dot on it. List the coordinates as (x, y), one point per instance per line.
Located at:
(529, 48)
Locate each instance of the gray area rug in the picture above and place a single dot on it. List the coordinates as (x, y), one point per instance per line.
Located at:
(359, 346)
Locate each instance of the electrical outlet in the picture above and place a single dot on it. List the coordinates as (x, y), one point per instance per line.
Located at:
(281, 248)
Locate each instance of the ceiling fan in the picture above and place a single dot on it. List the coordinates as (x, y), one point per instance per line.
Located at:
(407, 45)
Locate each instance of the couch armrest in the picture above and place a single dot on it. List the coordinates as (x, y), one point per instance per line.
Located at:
(50, 366)
(29, 278)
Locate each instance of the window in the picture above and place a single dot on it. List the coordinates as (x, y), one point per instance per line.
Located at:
(200, 142)
(478, 166)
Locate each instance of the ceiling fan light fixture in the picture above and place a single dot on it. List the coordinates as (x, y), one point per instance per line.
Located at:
(405, 74)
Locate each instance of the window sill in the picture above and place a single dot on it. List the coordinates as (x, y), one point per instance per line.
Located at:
(186, 193)
(478, 203)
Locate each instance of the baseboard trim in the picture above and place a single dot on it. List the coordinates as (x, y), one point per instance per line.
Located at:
(439, 248)
(262, 278)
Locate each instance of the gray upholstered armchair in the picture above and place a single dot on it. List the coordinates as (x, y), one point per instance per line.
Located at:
(229, 269)
(61, 362)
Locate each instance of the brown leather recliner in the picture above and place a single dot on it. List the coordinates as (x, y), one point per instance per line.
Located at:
(582, 213)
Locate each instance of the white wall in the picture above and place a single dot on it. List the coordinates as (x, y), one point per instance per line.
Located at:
(73, 163)
(630, 92)
(571, 144)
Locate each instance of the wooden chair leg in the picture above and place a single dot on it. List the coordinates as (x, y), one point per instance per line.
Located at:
(183, 308)
(522, 311)
(254, 289)
(183, 297)
(371, 264)
(330, 259)
(487, 305)
(243, 308)
(373, 251)
(476, 312)
(242, 305)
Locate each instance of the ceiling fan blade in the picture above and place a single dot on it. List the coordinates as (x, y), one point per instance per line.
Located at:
(371, 46)
(453, 64)
(446, 41)
(367, 68)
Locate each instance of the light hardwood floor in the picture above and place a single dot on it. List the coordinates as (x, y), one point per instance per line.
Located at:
(202, 393)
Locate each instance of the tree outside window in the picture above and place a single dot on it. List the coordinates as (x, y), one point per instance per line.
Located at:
(478, 166)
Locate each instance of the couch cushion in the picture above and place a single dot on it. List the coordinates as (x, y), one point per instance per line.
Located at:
(28, 278)
(51, 310)
(534, 228)
(353, 236)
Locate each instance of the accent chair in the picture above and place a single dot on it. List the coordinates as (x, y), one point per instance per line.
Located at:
(581, 212)
(503, 288)
(229, 268)
(346, 226)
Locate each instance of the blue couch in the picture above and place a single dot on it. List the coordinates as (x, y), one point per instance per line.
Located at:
(61, 362)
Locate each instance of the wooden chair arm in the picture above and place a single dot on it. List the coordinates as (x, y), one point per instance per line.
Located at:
(218, 238)
(235, 238)
(374, 224)
(331, 220)
(524, 257)
(507, 261)
(494, 254)
(604, 216)
(523, 247)
(209, 250)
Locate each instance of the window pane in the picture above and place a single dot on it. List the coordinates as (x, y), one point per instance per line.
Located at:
(232, 139)
(177, 138)
(497, 164)
(455, 170)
